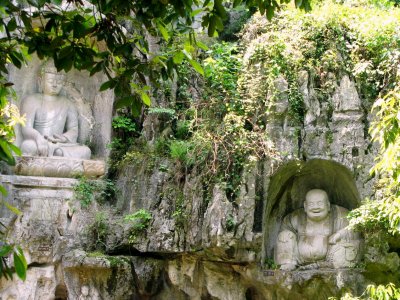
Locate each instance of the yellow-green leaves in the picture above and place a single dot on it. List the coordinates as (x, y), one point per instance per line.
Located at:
(163, 31)
(145, 98)
(196, 66)
(142, 91)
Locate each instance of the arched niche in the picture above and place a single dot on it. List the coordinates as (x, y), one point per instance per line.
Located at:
(291, 182)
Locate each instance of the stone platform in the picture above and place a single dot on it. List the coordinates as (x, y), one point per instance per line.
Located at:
(58, 167)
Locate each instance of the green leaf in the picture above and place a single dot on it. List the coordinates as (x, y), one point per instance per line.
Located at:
(136, 107)
(20, 263)
(220, 9)
(196, 66)
(26, 20)
(41, 3)
(79, 30)
(12, 24)
(187, 54)
(15, 149)
(3, 157)
(196, 12)
(298, 3)
(50, 24)
(145, 98)
(64, 52)
(5, 153)
(236, 3)
(15, 60)
(3, 191)
(163, 31)
(5, 250)
(178, 57)
(123, 102)
(212, 25)
(202, 45)
(12, 208)
(96, 68)
(107, 85)
(270, 12)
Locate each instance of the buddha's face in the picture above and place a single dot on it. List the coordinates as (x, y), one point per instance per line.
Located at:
(317, 205)
(52, 83)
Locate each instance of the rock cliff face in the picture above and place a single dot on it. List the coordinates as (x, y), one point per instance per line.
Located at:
(198, 244)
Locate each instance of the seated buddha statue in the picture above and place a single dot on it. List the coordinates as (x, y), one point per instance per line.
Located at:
(316, 237)
(52, 125)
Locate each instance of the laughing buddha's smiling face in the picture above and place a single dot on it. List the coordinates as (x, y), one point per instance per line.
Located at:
(317, 205)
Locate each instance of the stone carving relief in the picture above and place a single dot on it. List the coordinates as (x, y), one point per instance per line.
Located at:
(316, 236)
(58, 122)
(58, 167)
(52, 123)
(88, 293)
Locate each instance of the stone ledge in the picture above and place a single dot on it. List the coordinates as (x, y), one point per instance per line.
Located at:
(58, 167)
(288, 278)
(38, 182)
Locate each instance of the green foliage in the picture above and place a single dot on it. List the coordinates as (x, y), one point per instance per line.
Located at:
(102, 35)
(161, 146)
(20, 264)
(139, 222)
(9, 117)
(87, 190)
(384, 214)
(373, 292)
(123, 123)
(99, 230)
(237, 17)
(270, 264)
(230, 223)
(179, 150)
(179, 213)
(223, 136)
(162, 110)
(125, 134)
(84, 191)
(182, 129)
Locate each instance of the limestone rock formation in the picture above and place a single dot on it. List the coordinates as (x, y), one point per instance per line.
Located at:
(184, 237)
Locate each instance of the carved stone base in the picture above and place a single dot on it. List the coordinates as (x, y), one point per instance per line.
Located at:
(58, 167)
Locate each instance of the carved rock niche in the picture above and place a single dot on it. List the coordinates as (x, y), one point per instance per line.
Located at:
(288, 189)
(92, 122)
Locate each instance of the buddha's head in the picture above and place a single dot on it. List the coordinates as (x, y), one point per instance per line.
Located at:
(51, 81)
(317, 205)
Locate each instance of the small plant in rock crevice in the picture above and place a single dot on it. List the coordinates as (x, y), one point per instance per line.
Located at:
(230, 223)
(84, 191)
(98, 231)
(125, 132)
(179, 213)
(270, 264)
(139, 222)
(87, 190)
